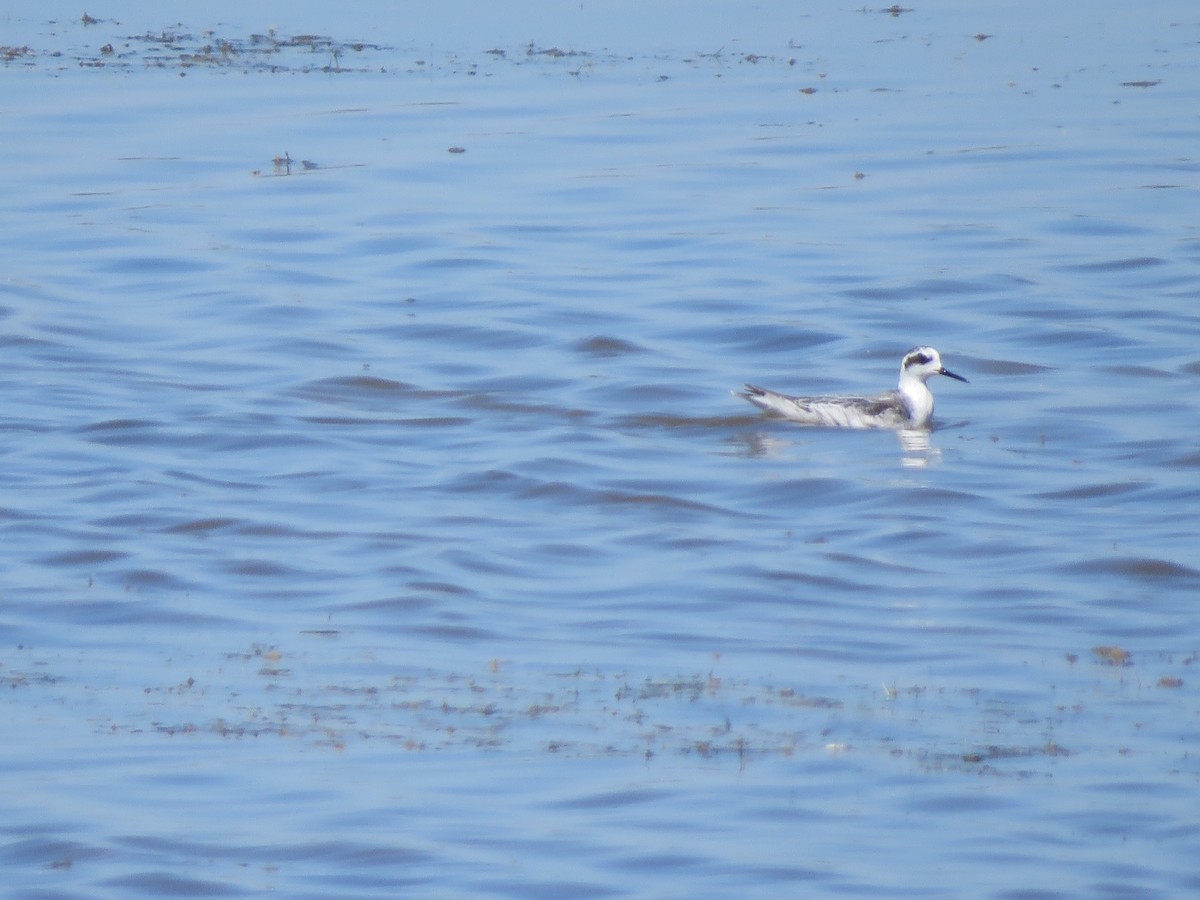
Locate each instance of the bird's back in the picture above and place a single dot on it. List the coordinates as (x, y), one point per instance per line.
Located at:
(886, 411)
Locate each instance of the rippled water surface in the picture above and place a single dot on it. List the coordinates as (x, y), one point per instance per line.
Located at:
(377, 519)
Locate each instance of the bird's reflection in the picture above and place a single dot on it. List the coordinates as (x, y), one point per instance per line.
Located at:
(916, 447)
(916, 450)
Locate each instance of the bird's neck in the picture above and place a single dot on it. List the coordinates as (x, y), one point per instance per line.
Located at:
(918, 399)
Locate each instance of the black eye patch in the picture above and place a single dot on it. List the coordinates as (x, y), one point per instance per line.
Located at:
(918, 359)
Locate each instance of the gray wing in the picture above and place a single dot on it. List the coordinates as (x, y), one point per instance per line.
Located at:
(886, 411)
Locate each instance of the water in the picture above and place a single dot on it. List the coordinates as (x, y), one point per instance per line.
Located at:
(377, 520)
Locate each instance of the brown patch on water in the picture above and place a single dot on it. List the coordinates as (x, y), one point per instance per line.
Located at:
(1113, 656)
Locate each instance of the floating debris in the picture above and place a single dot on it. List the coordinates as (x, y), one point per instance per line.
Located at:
(1113, 656)
(283, 165)
(177, 47)
(985, 754)
(553, 52)
(8, 54)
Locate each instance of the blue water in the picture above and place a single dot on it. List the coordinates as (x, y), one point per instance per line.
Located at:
(377, 519)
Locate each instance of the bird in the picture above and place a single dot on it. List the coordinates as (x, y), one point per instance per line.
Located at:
(909, 406)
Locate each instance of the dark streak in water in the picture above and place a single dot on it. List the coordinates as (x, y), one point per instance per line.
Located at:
(603, 347)
(1092, 491)
(1140, 568)
(1115, 265)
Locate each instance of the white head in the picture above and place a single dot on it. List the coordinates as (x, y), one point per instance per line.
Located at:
(922, 363)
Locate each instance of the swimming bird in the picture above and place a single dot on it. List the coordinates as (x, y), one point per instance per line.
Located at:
(910, 405)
